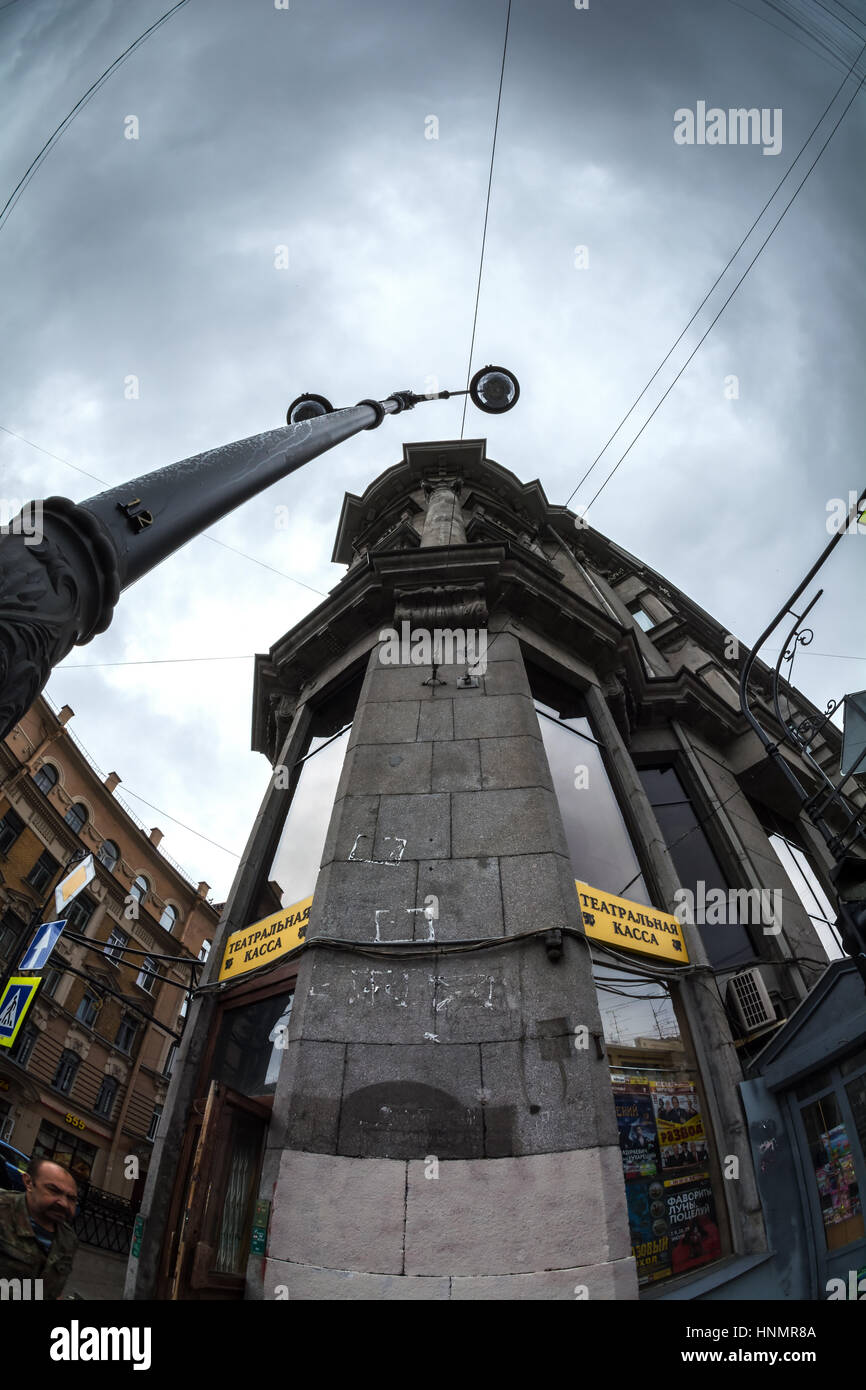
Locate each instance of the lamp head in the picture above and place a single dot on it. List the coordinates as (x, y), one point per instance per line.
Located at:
(307, 407)
(494, 390)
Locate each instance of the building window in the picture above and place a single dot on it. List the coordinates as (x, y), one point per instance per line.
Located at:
(23, 1046)
(834, 1171)
(126, 1031)
(79, 913)
(65, 1147)
(50, 980)
(169, 1060)
(67, 1068)
(10, 828)
(140, 888)
(809, 891)
(168, 918)
(313, 788)
(115, 944)
(153, 1128)
(146, 978)
(251, 1044)
(76, 817)
(87, 1010)
(727, 943)
(183, 1008)
(43, 871)
(601, 849)
(664, 1137)
(108, 854)
(105, 1100)
(642, 618)
(11, 932)
(204, 951)
(46, 778)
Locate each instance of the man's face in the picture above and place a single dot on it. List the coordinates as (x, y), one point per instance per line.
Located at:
(52, 1196)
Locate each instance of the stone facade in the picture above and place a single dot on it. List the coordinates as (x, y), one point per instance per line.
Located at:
(443, 1123)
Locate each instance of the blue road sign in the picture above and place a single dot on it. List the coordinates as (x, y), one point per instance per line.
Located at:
(16, 1000)
(40, 948)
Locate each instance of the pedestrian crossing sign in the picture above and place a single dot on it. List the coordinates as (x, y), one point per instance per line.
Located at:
(14, 1003)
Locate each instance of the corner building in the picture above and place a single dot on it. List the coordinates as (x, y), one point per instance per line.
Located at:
(490, 1063)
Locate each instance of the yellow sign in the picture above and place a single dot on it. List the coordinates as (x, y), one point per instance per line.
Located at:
(73, 883)
(631, 926)
(265, 941)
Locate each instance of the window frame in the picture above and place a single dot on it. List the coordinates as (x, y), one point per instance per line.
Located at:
(67, 1059)
(109, 868)
(10, 814)
(42, 884)
(705, 814)
(46, 768)
(76, 825)
(110, 1086)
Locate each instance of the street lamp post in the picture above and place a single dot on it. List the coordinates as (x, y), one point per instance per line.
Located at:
(58, 588)
(846, 845)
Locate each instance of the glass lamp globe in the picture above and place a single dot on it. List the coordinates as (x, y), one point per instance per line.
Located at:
(494, 390)
(307, 408)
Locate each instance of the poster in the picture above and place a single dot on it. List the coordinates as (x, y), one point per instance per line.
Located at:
(637, 1134)
(650, 1236)
(691, 1216)
(681, 1136)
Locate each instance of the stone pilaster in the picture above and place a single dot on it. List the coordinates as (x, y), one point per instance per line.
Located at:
(443, 1123)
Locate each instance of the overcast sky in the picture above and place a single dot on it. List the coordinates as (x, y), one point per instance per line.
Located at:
(260, 128)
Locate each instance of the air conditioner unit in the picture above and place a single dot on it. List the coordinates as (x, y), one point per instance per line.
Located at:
(752, 1003)
(6, 1127)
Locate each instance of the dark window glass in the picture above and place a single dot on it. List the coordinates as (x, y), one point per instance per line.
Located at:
(87, 1009)
(154, 1122)
(24, 1044)
(43, 871)
(50, 980)
(250, 1045)
(79, 913)
(727, 944)
(76, 817)
(11, 932)
(146, 977)
(67, 1068)
(602, 853)
(10, 828)
(108, 854)
(64, 1146)
(105, 1100)
(126, 1031)
(46, 778)
(115, 944)
(139, 889)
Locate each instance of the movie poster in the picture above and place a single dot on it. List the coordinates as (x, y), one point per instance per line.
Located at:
(680, 1128)
(650, 1238)
(691, 1215)
(637, 1134)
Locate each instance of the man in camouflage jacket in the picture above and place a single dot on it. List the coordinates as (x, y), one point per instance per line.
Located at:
(36, 1236)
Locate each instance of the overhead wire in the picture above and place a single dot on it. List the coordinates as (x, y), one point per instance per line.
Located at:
(486, 213)
(57, 134)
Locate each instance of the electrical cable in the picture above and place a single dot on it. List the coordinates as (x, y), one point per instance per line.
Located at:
(727, 301)
(718, 278)
(486, 213)
(57, 133)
